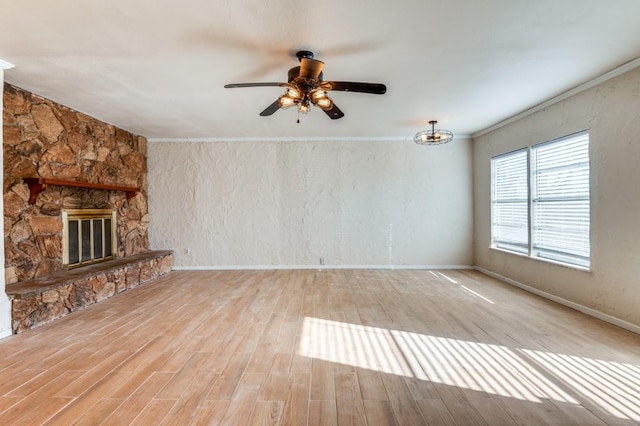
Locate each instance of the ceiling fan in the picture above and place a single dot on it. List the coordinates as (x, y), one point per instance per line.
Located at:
(305, 87)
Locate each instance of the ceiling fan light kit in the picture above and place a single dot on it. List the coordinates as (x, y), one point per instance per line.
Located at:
(433, 136)
(306, 88)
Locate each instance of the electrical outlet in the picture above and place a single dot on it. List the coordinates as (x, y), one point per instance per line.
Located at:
(322, 260)
(187, 251)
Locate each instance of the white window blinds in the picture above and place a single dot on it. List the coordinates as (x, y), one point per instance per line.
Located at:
(541, 201)
(560, 200)
(510, 202)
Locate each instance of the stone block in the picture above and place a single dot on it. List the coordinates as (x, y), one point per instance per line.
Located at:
(12, 135)
(107, 290)
(28, 128)
(47, 122)
(75, 140)
(30, 250)
(66, 116)
(69, 297)
(60, 153)
(44, 225)
(165, 265)
(51, 209)
(135, 242)
(146, 272)
(119, 278)
(20, 231)
(8, 119)
(64, 291)
(141, 145)
(10, 275)
(46, 266)
(50, 246)
(15, 100)
(22, 190)
(54, 311)
(21, 312)
(16, 167)
(102, 154)
(12, 255)
(84, 295)
(50, 296)
(13, 205)
(30, 149)
(89, 153)
(133, 277)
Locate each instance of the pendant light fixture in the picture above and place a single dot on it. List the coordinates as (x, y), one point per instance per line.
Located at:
(433, 136)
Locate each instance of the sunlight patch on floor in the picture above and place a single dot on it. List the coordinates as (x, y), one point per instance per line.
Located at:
(463, 287)
(613, 386)
(523, 374)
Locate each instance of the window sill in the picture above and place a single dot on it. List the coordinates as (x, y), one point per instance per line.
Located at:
(543, 260)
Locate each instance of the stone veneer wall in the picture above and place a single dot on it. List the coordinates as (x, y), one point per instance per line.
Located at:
(45, 139)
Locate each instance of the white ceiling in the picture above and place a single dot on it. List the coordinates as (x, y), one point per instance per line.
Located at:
(157, 67)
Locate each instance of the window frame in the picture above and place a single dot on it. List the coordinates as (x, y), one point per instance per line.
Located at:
(505, 245)
(533, 251)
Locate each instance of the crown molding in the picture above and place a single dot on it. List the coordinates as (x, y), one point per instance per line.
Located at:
(4, 65)
(281, 139)
(294, 139)
(561, 97)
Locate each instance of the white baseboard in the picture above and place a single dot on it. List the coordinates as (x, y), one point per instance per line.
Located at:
(5, 333)
(578, 307)
(273, 267)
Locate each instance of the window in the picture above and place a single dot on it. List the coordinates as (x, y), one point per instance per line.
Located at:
(510, 228)
(540, 201)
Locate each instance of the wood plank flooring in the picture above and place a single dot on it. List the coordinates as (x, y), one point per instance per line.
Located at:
(332, 347)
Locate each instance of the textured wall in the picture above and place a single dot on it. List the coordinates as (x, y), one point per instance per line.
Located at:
(611, 113)
(45, 139)
(290, 203)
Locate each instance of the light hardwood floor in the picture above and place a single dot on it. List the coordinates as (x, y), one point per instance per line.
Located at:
(322, 348)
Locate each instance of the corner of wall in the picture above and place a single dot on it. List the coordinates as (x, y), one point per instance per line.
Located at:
(609, 291)
(5, 304)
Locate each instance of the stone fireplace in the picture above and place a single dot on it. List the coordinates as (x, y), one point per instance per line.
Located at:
(48, 142)
(43, 139)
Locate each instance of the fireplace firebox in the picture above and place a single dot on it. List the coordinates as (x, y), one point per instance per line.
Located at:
(88, 236)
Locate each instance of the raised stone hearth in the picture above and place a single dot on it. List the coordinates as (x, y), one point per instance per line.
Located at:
(41, 300)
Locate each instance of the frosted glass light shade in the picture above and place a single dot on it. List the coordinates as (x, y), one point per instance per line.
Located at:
(285, 101)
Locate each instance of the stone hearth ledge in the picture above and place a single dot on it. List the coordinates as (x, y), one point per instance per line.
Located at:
(42, 300)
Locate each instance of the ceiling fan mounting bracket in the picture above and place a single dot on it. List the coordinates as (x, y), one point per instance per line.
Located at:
(304, 54)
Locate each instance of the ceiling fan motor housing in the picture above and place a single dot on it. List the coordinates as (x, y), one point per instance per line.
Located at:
(293, 73)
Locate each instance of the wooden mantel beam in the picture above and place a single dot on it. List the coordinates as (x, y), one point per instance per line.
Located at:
(37, 185)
